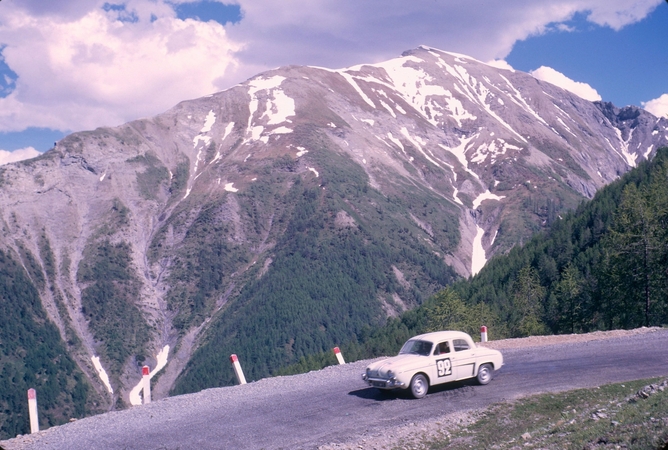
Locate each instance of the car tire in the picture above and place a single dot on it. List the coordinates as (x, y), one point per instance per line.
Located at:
(419, 386)
(484, 374)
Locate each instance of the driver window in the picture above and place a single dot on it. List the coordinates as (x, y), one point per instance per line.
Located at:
(442, 348)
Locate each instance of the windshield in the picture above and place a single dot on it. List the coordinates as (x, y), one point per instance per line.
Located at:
(416, 347)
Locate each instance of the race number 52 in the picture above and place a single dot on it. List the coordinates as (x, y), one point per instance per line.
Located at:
(444, 367)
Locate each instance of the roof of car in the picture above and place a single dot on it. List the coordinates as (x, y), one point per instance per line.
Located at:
(442, 335)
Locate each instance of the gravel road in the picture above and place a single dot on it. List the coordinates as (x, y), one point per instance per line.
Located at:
(333, 408)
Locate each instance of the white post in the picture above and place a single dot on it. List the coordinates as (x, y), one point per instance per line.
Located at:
(339, 356)
(32, 409)
(146, 378)
(237, 369)
(483, 333)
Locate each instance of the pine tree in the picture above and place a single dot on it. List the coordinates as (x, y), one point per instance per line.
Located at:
(634, 247)
(527, 304)
(568, 292)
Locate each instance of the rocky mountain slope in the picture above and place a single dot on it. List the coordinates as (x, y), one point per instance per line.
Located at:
(284, 215)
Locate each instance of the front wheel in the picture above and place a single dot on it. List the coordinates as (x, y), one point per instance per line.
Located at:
(419, 386)
(484, 374)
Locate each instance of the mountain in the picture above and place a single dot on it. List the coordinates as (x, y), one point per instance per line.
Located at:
(602, 266)
(289, 213)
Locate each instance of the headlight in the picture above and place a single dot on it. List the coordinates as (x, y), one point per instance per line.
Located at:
(390, 373)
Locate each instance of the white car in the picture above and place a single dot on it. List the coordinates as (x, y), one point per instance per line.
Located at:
(431, 359)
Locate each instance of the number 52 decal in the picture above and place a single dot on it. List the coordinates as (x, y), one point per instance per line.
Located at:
(444, 367)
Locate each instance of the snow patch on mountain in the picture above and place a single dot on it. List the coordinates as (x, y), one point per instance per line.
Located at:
(281, 130)
(478, 256)
(102, 373)
(228, 130)
(416, 87)
(460, 153)
(277, 108)
(455, 197)
(418, 143)
(487, 195)
(351, 80)
(161, 362)
(629, 157)
(208, 122)
(648, 152)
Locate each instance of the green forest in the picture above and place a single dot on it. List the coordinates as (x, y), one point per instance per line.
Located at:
(603, 266)
(32, 355)
(324, 280)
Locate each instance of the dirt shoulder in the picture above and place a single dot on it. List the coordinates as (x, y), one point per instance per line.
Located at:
(541, 341)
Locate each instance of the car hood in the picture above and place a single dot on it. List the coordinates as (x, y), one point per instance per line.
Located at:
(397, 364)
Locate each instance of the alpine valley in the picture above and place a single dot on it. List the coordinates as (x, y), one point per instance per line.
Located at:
(278, 219)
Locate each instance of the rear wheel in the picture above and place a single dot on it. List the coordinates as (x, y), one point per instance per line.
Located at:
(485, 374)
(419, 386)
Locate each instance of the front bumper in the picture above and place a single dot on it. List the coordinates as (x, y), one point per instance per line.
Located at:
(383, 383)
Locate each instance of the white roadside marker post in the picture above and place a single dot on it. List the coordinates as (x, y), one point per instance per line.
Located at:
(237, 369)
(146, 378)
(483, 333)
(32, 410)
(339, 356)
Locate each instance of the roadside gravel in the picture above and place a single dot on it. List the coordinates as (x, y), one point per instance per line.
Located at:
(539, 341)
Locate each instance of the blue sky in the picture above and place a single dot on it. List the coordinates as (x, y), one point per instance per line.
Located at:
(626, 67)
(81, 64)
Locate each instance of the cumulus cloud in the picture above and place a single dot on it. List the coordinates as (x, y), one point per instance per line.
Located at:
(335, 33)
(501, 64)
(559, 79)
(88, 63)
(658, 106)
(108, 67)
(17, 155)
(618, 13)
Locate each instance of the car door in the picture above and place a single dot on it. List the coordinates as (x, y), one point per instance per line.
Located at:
(441, 370)
(463, 359)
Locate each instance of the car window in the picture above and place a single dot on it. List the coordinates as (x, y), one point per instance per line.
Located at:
(460, 345)
(416, 347)
(442, 348)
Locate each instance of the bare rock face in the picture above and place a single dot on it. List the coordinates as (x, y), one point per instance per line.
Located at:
(170, 229)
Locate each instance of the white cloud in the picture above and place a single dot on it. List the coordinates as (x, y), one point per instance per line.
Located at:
(559, 79)
(500, 64)
(334, 33)
(658, 106)
(96, 70)
(17, 155)
(80, 67)
(618, 13)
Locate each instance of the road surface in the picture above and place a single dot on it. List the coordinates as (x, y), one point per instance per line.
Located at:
(334, 405)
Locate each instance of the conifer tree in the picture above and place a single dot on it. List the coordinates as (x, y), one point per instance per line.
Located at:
(634, 247)
(527, 304)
